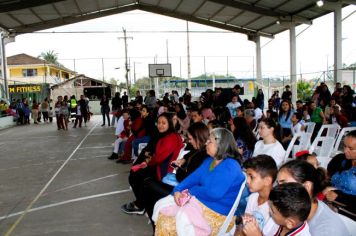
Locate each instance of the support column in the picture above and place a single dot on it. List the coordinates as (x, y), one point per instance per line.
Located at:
(293, 62)
(3, 64)
(337, 44)
(258, 62)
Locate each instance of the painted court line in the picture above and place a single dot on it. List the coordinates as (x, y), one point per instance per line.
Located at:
(63, 203)
(95, 147)
(12, 228)
(76, 185)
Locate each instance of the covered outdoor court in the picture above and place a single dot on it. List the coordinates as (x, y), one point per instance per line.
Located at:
(61, 183)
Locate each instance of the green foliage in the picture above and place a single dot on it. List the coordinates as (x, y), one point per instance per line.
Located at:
(304, 90)
(113, 81)
(50, 57)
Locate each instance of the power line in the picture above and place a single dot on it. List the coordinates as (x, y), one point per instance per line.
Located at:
(131, 31)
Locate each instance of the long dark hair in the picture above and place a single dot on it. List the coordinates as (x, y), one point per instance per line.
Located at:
(181, 114)
(270, 123)
(200, 133)
(289, 112)
(243, 131)
(168, 117)
(303, 171)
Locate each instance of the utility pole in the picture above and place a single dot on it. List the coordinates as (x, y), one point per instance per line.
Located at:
(127, 69)
(188, 58)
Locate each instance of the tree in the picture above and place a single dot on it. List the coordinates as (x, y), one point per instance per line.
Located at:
(304, 91)
(50, 57)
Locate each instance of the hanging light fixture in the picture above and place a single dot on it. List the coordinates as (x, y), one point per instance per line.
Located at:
(320, 3)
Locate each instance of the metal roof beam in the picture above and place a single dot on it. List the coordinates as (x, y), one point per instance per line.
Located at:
(217, 12)
(198, 8)
(249, 7)
(71, 19)
(202, 21)
(18, 5)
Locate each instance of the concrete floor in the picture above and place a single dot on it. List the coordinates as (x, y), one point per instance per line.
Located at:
(58, 176)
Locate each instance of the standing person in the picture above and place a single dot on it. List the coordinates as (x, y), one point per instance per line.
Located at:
(116, 104)
(35, 111)
(213, 188)
(57, 110)
(64, 113)
(139, 98)
(125, 100)
(287, 94)
(317, 116)
(150, 100)
(83, 109)
(19, 109)
(260, 99)
(105, 109)
(45, 109)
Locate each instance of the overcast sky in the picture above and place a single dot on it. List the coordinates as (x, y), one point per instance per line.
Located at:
(224, 53)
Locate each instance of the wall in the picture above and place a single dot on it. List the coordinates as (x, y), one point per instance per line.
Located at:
(6, 122)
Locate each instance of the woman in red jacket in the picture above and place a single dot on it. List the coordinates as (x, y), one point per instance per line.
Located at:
(158, 155)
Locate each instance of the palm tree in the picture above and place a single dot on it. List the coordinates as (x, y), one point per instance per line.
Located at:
(50, 57)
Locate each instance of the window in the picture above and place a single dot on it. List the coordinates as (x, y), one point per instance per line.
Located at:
(29, 72)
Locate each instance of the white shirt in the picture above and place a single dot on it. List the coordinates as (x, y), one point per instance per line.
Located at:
(260, 212)
(275, 150)
(120, 126)
(297, 128)
(258, 113)
(272, 229)
(232, 108)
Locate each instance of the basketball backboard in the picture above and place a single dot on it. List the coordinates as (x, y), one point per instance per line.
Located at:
(160, 70)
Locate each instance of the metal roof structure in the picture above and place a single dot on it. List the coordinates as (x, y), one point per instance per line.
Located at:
(250, 17)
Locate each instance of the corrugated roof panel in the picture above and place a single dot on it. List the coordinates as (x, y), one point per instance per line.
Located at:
(169, 4)
(208, 9)
(26, 16)
(261, 22)
(294, 6)
(89, 5)
(270, 4)
(154, 2)
(226, 14)
(244, 18)
(188, 6)
(46, 12)
(10, 23)
(67, 8)
(273, 29)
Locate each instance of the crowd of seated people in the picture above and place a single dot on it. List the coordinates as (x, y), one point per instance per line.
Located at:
(226, 141)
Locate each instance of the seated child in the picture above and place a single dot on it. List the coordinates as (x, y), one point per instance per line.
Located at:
(289, 209)
(308, 157)
(261, 172)
(122, 136)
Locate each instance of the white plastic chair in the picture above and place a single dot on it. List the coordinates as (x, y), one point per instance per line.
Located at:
(324, 151)
(349, 223)
(309, 127)
(304, 143)
(141, 146)
(340, 138)
(332, 130)
(225, 225)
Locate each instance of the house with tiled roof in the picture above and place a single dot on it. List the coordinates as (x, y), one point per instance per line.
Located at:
(31, 77)
(23, 68)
